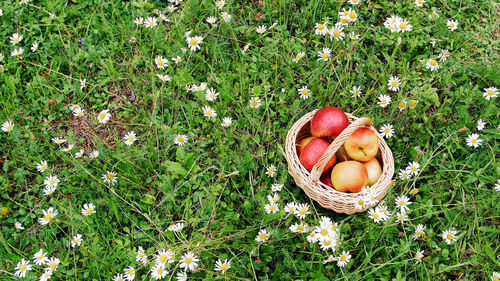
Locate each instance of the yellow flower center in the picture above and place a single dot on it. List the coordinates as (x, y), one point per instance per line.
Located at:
(402, 104)
(344, 20)
(224, 267)
(272, 208)
(321, 27)
(324, 56)
(419, 233)
(336, 33)
(89, 211)
(189, 261)
(353, 15)
(263, 236)
(343, 258)
(159, 270)
(53, 266)
(48, 217)
(300, 228)
(327, 242)
(193, 42)
(491, 93)
(473, 140)
(402, 26)
(51, 182)
(109, 176)
(298, 57)
(40, 258)
(376, 216)
(433, 62)
(387, 130)
(302, 211)
(449, 236)
(130, 138)
(394, 83)
(161, 63)
(334, 227)
(324, 232)
(22, 268)
(131, 272)
(180, 139)
(305, 92)
(495, 278)
(361, 202)
(413, 103)
(415, 191)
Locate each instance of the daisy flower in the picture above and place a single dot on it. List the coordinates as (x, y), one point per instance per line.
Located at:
(209, 112)
(375, 215)
(181, 276)
(40, 258)
(273, 198)
(337, 32)
(302, 210)
(491, 92)
(291, 207)
(194, 43)
(158, 271)
(211, 94)
(222, 266)
(17, 53)
(480, 125)
(343, 259)
(88, 209)
(76, 241)
(324, 54)
(276, 187)
(386, 131)
(130, 138)
(18, 225)
(34, 47)
(404, 26)
(200, 88)
(42, 166)
(474, 140)
(119, 277)
(94, 154)
(449, 236)
(220, 4)
(52, 264)
(361, 203)
(48, 216)
(51, 181)
(164, 256)
(164, 77)
(129, 273)
(418, 256)
(351, 15)
(414, 167)
(7, 126)
(49, 190)
(46, 275)
(255, 102)
(328, 243)
(394, 83)
(211, 20)
(150, 22)
(177, 59)
(419, 3)
(188, 261)
(299, 56)
(15, 38)
(180, 140)
(321, 28)
(68, 148)
(402, 105)
(419, 232)
(443, 55)
(356, 91)
(260, 29)
(226, 121)
(432, 64)
(141, 256)
(161, 62)
(271, 208)
(262, 236)
(384, 100)
(354, 2)
(404, 174)
(79, 112)
(434, 15)
(271, 170)
(22, 267)
(304, 93)
(104, 116)
(109, 177)
(330, 257)
(401, 217)
(139, 21)
(176, 227)
(452, 24)
(413, 103)
(226, 16)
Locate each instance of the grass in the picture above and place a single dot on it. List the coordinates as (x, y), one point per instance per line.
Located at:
(216, 183)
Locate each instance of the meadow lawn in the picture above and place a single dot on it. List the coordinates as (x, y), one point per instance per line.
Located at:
(144, 140)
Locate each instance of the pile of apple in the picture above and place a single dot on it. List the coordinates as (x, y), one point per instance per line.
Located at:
(354, 165)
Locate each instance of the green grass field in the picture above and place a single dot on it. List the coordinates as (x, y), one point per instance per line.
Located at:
(203, 197)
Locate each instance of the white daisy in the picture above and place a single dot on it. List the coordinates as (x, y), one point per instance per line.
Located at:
(211, 20)
(220, 4)
(299, 56)
(356, 91)
(18, 225)
(271, 208)
(15, 38)
(161, 62)
(180, 140)
(255, 102)
(413, 167)
(188, 261)
(139, 21)
(271, 170)
(304, 92)
(42, 166)
(176, 227)
(419, 232)
(177, 59)
(7, 126)
(158, 271)
(226, 16)
(480, 125)
(40, 257)
(375, 215)
(222, 266)
(394, 83)
(181, 276)
(343, 259)
(211, 94)
(361, 203)
(22, 267)
(321, 28)
(474, 140)
(337, 32)
(49, 190)
(88, 209)
(434, 15)
(119, 277)
(94, 154)
(79, 112)
(497, 186)
(17, 53)
(209, 112)
(109, 177)
(276, 187)
(444, 55)
(261, 29)
(324, 54)
(130, 138)
(302, 210)
(404, 174)
(262, 236)
(164, 77)
(452, 25)
(401, 217)
(384, 100)
(418, 256)
(291, 207)
(76, 241)
(419, 3)
(404, 26)
(34, 47)
(386, 131)
(449, 236)
(129, 273)
(491, 92)
(226, 121)
(51, 181)
(432, 64)
(165, 256)
(150, 22)
(104, 116)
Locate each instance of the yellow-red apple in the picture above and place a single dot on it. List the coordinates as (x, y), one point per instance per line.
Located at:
(313, 151)
(342, 155)
(374, 170)
(349, 176)
(326, 178)
(362, 145)
(302, 144)
(328, 121)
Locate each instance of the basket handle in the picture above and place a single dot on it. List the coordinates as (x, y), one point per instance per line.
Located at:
(317, 170)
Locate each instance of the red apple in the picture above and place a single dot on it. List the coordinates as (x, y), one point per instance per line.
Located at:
(374, 170)
(342, 155)
(362, 145)
(328, 121)
(313, 151)
(349, 176)
(326, 178)
(302, 144)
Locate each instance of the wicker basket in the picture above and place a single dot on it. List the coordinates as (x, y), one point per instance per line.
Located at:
(327, 197)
